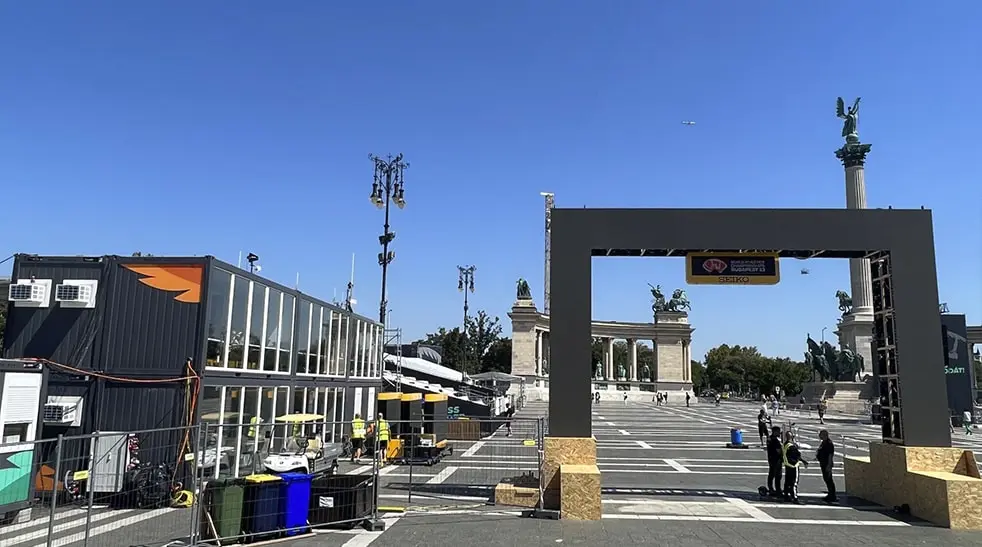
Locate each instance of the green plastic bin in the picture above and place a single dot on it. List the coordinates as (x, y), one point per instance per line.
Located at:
(224, 500)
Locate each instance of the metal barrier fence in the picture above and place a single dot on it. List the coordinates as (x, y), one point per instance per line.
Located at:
(227, 483)
(106, 488)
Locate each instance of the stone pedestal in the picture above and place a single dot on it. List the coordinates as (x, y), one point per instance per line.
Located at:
(524, 341)
(940, 485)
(671, 349)
(844, 397)
(855, 332)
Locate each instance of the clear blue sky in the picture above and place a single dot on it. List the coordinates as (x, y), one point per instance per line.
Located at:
(218, 127)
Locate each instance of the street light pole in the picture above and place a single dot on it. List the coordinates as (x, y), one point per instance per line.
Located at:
(465, 283)
(388, 187)
(823, 333)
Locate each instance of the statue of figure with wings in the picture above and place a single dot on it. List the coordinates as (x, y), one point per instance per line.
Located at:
(851, 117)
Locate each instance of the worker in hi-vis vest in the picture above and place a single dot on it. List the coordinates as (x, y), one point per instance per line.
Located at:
(383, 437)
(792, 462)
(357, 437)
(252, 427)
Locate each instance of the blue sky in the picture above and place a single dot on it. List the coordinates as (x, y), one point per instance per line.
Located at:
(213, 128)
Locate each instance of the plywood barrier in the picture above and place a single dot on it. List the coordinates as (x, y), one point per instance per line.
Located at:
(940, 485)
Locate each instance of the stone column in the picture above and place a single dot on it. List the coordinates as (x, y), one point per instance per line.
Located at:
(538, 353)
(654, 362)
(857, 326)
(609, 358)
(632, 357)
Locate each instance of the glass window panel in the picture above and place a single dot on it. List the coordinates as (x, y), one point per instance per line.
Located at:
(298, 400)
(335, 370)
(257, 310)
(325, 348)
(219, 292)
(333, 408)
(267, 413)
(240, 312)
(303, 336)
(315, 341)
(373, 356)
(272, 329)
(365, 345)
(211, 408)
(286, 333)
(314, 400)
(231, 420)
(343, 345)
(253, 444)
(352, 346)
(281, 403)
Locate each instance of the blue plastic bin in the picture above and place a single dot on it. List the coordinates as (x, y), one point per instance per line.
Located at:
(262, 517)
(736, 436)
(297, 508)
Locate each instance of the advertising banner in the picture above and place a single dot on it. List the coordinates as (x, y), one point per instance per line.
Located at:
(959, 373)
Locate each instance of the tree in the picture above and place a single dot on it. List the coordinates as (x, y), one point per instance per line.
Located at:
(698, 376)
(498, 357)
(468, 354)
(744, 369)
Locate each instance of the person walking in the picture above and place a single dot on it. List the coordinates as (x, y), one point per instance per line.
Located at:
(625, 399)
(687, 399)
(967, 422)
(763, 423)
(791, 455)
(822, 408)
(825, 457)
(384, 432)
(507, 415)
(357, 437)
(775, 461)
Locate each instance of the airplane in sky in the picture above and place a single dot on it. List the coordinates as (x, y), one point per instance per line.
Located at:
(686, 122)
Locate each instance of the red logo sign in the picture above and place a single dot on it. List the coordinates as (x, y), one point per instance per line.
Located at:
(714, 266)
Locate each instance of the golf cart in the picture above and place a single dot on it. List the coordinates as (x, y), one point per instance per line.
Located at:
(304, 451)
(220, 446)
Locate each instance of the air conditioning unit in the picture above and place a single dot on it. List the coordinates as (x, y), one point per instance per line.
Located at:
(76, 293)
(63, 410)
(30, 293)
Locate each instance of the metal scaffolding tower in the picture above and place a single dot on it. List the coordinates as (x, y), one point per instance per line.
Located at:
(393, 338)
(550, 203)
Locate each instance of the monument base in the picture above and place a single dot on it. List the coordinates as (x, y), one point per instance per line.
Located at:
(844, 397)
(571, 478)
(855, 331)
(940, 485)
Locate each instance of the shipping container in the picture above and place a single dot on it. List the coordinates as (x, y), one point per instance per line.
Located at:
(150, 343)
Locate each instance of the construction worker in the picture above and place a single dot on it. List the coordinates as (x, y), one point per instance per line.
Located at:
(791, 455)
(383, 437)
(357, 437)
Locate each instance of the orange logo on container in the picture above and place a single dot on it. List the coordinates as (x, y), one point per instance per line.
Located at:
(185, 279)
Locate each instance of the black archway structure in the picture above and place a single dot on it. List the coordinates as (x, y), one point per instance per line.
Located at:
(908, 359)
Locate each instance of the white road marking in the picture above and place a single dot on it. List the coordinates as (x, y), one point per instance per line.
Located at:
(34, 522)
(623, 432)
(610, 424)
(750, 519)
(473, 449)
(366, 538)
(642, 444)
(755, 512)
(442, 475)
(98, 530)
(677, 466)
(43, 534)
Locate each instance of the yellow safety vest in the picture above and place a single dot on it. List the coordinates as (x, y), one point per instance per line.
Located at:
(784, 456)
(383, 430)
(357, 428)
(252, 428)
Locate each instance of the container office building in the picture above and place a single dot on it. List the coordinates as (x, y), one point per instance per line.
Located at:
(139, 343)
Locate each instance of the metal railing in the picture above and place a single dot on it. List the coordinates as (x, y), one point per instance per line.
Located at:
(229, 483)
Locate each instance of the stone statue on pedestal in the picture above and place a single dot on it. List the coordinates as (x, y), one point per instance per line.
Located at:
(815, 358)
(646, 372)
(845, 302)
(598, 371)
(523, 292)
(621, 373)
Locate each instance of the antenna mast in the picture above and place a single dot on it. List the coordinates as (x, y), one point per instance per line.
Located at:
(349, 298)
(550, 203)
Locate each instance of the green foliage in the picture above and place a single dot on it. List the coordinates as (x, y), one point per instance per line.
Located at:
(744, 369)
(481, 350)
(698, 376)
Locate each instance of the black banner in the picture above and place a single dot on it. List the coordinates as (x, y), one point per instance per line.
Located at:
(959, 373)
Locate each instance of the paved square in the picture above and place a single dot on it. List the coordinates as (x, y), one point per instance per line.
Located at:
(667, 476)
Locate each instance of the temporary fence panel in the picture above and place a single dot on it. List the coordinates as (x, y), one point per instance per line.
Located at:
(101, 489)
(425, 473)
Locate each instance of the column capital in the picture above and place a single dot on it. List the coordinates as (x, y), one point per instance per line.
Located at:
(853, 154)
